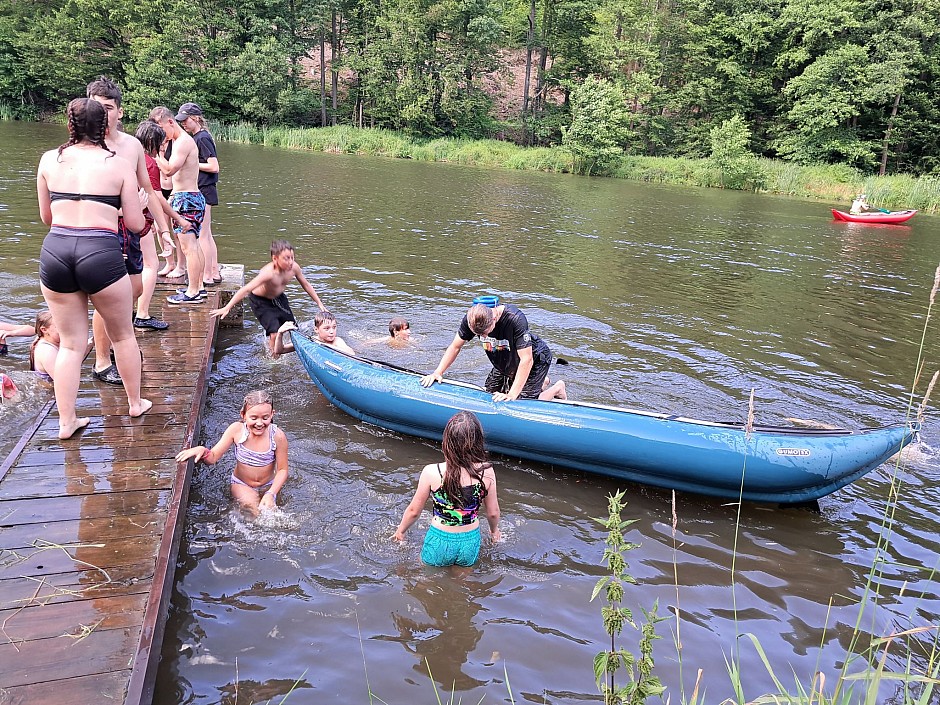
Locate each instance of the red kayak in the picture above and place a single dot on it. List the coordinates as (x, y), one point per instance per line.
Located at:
(874, 217)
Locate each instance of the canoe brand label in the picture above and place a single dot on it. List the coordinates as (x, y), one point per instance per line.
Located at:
(802, 452)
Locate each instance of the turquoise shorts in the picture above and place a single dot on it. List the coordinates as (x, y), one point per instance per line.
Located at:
(443, 548)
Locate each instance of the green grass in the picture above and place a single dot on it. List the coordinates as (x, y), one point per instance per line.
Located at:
(835, 183)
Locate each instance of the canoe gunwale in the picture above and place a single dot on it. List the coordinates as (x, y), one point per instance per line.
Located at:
(730, 425)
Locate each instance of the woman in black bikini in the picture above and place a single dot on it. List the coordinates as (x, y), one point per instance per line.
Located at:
(81, 186)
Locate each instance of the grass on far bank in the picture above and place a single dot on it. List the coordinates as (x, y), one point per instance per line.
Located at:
(835, 183)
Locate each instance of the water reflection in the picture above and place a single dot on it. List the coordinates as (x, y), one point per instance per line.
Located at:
(444, 629)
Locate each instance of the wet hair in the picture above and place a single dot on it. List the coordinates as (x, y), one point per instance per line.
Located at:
(479, 318)
(87, 120)
(43, 319)
(396, 324)
(463, 450)
(104, 87)
(256, 398)
(322, 317)
(160, 114)
(151, 136)
(279, 246)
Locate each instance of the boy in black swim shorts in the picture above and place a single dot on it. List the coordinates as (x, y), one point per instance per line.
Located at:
(266, 293)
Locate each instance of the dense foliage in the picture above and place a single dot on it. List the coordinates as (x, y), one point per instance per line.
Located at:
(833, 81)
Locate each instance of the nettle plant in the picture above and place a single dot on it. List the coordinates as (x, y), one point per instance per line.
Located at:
(642, 684)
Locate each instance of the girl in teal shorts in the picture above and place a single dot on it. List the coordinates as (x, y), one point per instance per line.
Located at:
(458, 488)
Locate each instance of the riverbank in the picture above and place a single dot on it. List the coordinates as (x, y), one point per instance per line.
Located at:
(834, 183)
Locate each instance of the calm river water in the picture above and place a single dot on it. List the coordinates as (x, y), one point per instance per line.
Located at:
(663, 299)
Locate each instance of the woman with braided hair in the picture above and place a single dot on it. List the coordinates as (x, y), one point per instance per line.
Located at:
(81, 186)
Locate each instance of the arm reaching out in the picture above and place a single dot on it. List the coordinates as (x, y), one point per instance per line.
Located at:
(263, 277)
(449, 356)
(302, 280)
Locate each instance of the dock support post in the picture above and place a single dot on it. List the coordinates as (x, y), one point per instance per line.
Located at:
(233, 279)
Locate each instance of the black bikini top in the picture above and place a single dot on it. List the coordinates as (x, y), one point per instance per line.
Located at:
(113, 201)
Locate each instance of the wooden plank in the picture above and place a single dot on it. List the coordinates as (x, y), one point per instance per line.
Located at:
(55, 659)
(102, 528)
(99, 688)
(101, 422)
(85, 584)
(69, 618)
(82, 454)
(47, 482)
(37, 511)
(98, 438)
(46, 558)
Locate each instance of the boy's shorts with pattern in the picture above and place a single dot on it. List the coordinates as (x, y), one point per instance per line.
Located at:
(192, 206)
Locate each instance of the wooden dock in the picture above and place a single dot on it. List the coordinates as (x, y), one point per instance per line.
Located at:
(90, 527)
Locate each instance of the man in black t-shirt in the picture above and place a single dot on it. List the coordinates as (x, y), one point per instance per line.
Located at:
(520, 358)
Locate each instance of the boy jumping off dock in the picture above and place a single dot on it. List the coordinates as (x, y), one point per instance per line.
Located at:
(266, 293)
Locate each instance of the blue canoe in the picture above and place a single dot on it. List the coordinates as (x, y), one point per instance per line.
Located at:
(779, 464)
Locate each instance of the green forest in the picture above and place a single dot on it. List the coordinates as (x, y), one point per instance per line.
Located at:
(848, 82)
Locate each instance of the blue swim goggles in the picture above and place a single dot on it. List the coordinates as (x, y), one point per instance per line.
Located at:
(489, 301)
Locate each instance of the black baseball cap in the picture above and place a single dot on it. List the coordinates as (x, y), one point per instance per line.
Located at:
(188, 110)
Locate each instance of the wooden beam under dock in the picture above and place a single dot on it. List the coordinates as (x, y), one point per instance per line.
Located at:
(90, 527)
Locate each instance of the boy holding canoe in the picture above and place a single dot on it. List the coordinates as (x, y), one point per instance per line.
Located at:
(266, 294)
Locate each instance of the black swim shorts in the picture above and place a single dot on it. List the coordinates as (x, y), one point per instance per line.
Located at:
(271, 313)
(130, 247)
(80, 259)
(497, 381)
(211, 194)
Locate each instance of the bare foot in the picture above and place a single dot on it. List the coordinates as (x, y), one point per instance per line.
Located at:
(176, 274)
(69, 431)
(167, 268)
(144, 406)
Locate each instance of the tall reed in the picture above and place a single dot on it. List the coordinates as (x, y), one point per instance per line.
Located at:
(865, 668)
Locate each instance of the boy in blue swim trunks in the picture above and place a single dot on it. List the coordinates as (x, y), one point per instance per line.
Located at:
(186, 199)
(266, 294)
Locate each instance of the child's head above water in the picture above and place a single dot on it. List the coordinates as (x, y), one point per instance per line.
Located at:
(398, 328)
(279, 246)
(256, 398)
(325, 324)
(43, 323)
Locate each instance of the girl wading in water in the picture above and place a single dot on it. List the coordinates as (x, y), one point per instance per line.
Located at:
(459, 487)
(260, 454)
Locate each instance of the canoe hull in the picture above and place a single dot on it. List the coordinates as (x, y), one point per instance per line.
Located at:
(778, 465)
(892, 217)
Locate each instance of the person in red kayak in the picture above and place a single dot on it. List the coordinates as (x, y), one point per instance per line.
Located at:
(861, 205)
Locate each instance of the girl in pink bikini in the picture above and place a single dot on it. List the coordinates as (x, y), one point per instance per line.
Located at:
(260, 454)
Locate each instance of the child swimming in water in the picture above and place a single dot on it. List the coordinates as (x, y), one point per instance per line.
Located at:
(45, 348)
(260, 454)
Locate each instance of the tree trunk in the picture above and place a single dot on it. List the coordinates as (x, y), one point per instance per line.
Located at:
(294, 56)
(322, 78)
(334, 74)
(530, 39)
(884, 148)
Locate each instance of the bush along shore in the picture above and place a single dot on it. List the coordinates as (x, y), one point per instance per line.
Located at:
(827, 182)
